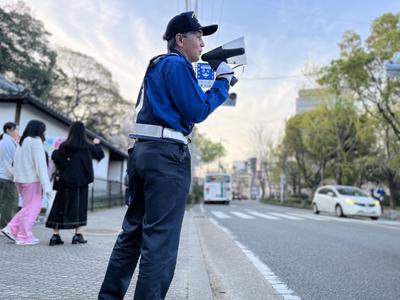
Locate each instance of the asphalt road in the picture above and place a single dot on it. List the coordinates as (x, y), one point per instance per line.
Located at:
(317, 257)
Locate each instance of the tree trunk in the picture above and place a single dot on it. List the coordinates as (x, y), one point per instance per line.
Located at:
(262, 185)
(394, 191)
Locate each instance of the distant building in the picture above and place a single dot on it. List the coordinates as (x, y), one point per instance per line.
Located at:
(310, 99)
(244, 179)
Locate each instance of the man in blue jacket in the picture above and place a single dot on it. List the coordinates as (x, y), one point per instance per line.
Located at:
(170, 102)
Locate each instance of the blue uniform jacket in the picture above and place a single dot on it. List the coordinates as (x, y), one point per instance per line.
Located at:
(174, 99)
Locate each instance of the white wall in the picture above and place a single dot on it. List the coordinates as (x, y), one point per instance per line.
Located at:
(7, 113)
(54, 128)
(115, 169)
(101, 168)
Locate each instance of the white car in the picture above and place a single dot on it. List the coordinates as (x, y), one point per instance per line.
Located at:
(345, 201)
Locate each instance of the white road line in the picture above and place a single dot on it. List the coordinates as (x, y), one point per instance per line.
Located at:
(311, 217)
(241, 215)
(257, 214)
(232, 205)
(280, 287)
(220, 215)
(285, 216)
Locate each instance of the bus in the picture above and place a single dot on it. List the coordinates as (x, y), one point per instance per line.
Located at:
(218, 188)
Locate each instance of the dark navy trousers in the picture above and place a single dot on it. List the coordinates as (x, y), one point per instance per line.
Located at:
(159, 173)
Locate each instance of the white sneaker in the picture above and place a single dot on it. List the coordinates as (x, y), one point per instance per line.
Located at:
(33, 241)
(7, 232)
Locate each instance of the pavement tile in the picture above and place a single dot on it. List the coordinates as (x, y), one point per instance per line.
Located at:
(76, 271)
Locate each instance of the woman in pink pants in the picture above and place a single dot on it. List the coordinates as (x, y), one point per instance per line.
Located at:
(31, 177)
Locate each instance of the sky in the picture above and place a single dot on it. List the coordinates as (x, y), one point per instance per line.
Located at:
(281, 37)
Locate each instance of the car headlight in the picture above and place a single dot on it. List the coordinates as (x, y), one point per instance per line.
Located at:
(349, 201)
(377, 203)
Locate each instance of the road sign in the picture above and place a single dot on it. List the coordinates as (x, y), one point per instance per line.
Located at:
(205, 75)
(393, 67)
(392, 70)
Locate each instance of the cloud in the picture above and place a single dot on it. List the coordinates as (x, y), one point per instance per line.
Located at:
(116, 38)
(124, 35)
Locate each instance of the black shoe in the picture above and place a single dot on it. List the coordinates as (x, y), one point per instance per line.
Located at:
(55, 240)
(78, 239)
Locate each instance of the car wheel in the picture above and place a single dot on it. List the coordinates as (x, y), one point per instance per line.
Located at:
(339, 211)
(374, 218)
(315, 209)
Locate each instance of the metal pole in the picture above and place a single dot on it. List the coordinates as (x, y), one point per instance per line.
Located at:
(285, 170)
(92, 200)
(109, 192)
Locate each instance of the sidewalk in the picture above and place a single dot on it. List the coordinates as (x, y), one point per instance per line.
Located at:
(76, 271)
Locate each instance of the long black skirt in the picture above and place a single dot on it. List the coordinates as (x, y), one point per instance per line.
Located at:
(69, 208)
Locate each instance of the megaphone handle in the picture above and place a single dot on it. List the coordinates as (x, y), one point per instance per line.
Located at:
(234, 80)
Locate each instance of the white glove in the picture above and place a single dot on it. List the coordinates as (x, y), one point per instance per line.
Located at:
(224, 71)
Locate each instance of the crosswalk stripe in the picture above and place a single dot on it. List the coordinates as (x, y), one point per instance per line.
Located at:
(316, 218)
(285, 216)
(220, 215)
(257, 214)
(241, 215)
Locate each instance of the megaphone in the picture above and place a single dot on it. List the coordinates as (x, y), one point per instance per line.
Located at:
(221, 54)
(232, 52)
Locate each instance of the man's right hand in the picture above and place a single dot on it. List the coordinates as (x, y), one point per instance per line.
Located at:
(224, 71)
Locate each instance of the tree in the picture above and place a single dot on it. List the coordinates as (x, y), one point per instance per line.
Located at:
(264, 151)
(86, 92)
(328, 143)
(360, 71)
(385, 165)
(354, 138)
(209, 150)
(307, 141)
(25, 55)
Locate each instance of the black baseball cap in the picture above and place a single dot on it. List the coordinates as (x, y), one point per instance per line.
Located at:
(186, 22)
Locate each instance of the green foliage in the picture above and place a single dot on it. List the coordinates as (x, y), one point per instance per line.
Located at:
(25, 55)
(360, 72)
(196, 194)
(329, 142)
(209, 150)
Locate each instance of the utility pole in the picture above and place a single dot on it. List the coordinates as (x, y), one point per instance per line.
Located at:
(189, 6)
(284, 176)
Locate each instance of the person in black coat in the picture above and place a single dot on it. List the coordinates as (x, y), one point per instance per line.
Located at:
(73, 161)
